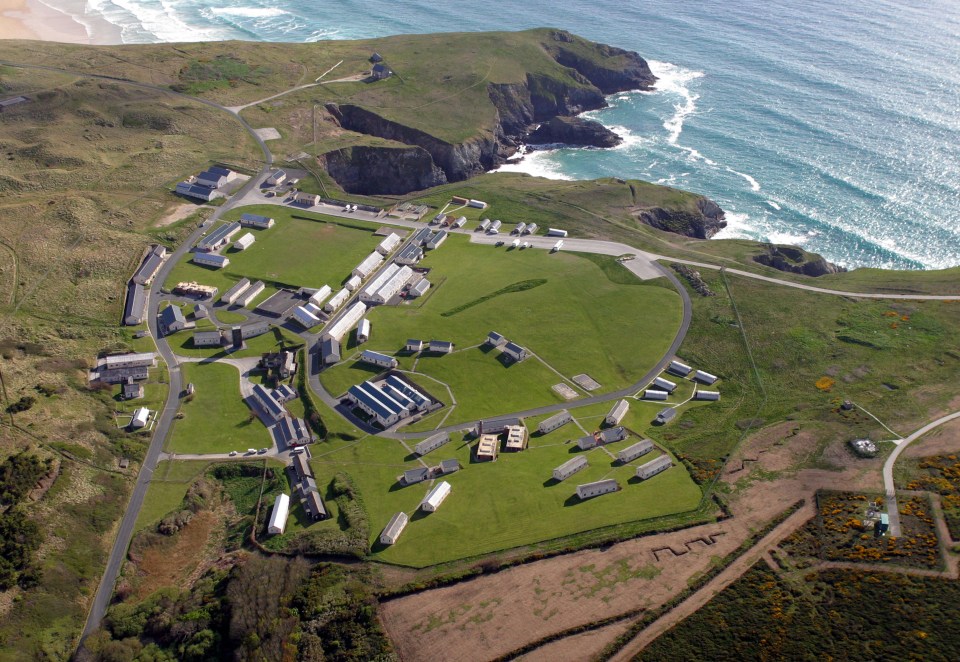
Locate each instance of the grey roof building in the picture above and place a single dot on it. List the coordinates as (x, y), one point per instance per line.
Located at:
(555, 422)
(135, 308)
(588, 490)
(496, 425)
(587, 442)
(393, 529)
(148, 268)
(441, 346)
(638, 449)
(706, 395)
(612, 435)
(496, 339)
(419, 289)
(665, 416)
(653, 467)
(132, 390)
(679, 369)
(172, 320)
(432, 443)
(313, 504)
(409, 254)
(418, 475)
(515, 351)
(207, 339)
(380, 71)
(704, 377)
(218, 237)
(329, 351)
(617, 412)
(570, 467)
(301, 466)
(197, 191)
(449, 466)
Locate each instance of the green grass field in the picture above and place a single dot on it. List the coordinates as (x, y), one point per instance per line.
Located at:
(216, 420)
(503, 504)
(170, 483)
(576, 320)
(294, 253)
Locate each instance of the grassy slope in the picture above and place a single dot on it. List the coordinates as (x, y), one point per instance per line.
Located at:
(216, 420)
(526, 506)
(578, 321)
(324, 253)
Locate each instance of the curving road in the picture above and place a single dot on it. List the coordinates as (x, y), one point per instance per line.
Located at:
(888, 484)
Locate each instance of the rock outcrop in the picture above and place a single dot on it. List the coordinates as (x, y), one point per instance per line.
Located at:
(703, 223)
(796, 260)
(383, 170)
(575, 131)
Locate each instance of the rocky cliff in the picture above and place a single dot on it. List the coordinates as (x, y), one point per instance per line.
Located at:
(703, 223)
(587, 73)
(796, 260)
(575, 131)
(383, 170)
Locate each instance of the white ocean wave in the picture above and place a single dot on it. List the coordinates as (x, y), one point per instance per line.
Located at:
(754, 184)
(248, 12)
(773, 204)
(675, 80)
(537, 163)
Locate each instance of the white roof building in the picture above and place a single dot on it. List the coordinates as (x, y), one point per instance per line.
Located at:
(393, 529)
(520, 227)
(350, 317)
(321, 295)
(654, 394)
(664, 384)
(352, 283)
(306, 199)
(306, 319)
(436, 240)
(389, 243)
(140, 418)
(494, 227)
(435, 497)
(704, 377)
(363, 331)
(368, 292)
(554, 232)
(130, 360)
(484, 224)
(530, 229)
(244, 242)
(680, 369)
(337, 300)
(392, 286)
(413, 345)
(251, 293)
(278, 516)
(420, 288)
(231, 295)
(368, 266)
(278, 177)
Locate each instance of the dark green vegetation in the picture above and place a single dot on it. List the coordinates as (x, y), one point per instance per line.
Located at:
(522, 286)
(19, 536)
(835, 614)
(941, 474)
(840, 533)
(202, 75)
(797, 355)
(262, 608)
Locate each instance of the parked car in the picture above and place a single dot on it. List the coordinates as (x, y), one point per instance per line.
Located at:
(233, 453)
(261, 451)
(251, 451)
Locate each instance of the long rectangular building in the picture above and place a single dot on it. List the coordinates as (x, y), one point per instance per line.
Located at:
(305, 318)
(653, 467)
(218, 237)
(588, 490)
(256, 221)
(368, 292)
(393, 529)
(337, 300)
(432, 443)
(638, 449)
(389, 243)
(329, 351)
(130, 360)
(704, 377)
(570, 467)
(251, 293)
(368, 265)
(271, 407)
(706, 395)
(664, 385)
(679, 369)
(150, 265)
(420, 400)
(617, 412)
(278, 516)
(555, 422)
(435, 497)
(378, 359)
(383, 408)
(230, 296)
(342, 326)
(392, 286)
(321, 295)
(211, 260)
(135, 308)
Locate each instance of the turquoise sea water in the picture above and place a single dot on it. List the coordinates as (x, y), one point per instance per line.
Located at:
(835, 126)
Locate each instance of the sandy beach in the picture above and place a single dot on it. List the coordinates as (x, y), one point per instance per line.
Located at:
(32, 19)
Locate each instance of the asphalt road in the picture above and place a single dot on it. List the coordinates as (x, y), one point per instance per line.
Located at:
(164, 422)
(888, 484)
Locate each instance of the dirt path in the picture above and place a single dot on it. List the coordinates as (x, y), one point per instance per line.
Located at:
(715, 585)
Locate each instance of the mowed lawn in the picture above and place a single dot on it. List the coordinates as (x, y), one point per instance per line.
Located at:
(216, 420)
(574, 318)
(503, 504)
(293, 253)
